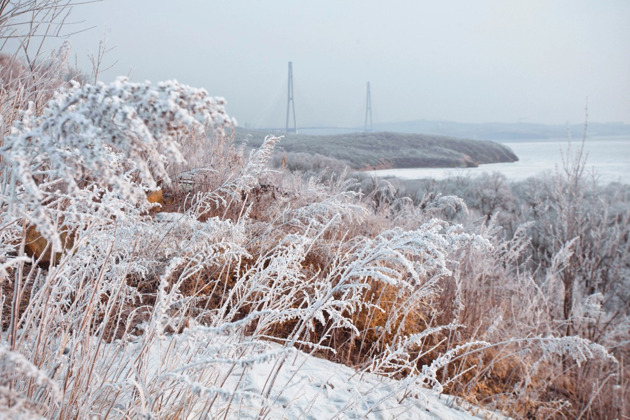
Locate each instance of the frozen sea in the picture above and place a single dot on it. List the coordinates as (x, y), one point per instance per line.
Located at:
(606, 157)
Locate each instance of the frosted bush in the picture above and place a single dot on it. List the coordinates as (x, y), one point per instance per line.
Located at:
(118, 137)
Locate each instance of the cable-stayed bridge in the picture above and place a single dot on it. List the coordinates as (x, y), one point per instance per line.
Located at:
(291, 125)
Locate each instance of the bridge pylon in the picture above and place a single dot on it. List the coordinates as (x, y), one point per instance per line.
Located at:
(290, 102)
(368, 110)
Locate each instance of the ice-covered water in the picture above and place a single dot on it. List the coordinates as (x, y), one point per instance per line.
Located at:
(608, 157)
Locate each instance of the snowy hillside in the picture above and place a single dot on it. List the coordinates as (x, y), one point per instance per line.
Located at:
(313, 388)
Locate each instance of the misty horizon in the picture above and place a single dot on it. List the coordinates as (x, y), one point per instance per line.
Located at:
(493, 62)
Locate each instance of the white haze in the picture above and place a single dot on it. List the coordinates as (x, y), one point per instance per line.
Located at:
(459, 60)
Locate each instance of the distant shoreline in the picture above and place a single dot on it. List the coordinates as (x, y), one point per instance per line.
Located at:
(508, 132)
(388, 150)
(607, 158)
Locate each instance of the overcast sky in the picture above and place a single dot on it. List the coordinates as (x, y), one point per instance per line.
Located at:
(455, 60)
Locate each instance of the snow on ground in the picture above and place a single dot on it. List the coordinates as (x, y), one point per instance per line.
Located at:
(302, 387)
(312, 388)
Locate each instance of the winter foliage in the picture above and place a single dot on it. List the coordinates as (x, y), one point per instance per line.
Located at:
(510, 296)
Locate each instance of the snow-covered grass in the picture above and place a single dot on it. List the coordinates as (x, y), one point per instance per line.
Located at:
(236, 301)
(305, 386)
